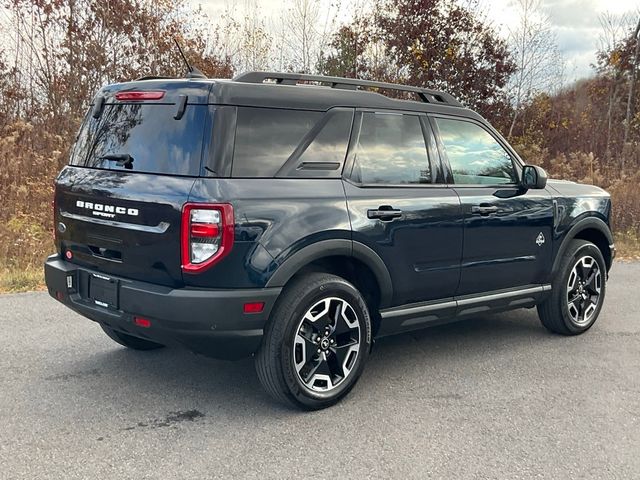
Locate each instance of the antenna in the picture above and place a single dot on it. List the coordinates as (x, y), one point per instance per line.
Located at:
(189, 68)
(193, 72)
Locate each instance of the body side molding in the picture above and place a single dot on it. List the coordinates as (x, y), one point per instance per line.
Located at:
(410, 310)
(414, 316)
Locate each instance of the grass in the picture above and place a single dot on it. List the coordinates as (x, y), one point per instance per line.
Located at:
(627, 245)
(21, 280)
(32, 278)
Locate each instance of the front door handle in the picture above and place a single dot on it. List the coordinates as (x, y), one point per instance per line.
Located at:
(484, 209)
(384, 213)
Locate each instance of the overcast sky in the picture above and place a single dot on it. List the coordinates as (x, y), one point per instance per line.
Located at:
(575, 22)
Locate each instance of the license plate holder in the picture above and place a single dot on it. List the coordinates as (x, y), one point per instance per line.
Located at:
(103, 291)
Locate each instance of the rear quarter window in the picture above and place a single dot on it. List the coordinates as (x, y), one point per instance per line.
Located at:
(266, 137)
(147, 133)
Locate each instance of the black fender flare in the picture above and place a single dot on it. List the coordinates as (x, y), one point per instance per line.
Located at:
(579, 226)
(334, 247)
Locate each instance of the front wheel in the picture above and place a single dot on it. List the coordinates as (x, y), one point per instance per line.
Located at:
(578, 290)
(316, 343)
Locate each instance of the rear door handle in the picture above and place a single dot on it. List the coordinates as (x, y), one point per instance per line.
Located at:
(484, 209)
(384, 213)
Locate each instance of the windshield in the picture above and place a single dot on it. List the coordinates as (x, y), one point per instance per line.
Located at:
(142, 138)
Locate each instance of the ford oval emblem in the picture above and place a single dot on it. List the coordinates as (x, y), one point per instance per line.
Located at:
(62, 227)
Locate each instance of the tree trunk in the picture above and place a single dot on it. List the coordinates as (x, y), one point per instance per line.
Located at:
(632, 85)
(612, 95)
(513, 123)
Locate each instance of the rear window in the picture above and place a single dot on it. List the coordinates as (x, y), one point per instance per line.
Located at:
(142, 138)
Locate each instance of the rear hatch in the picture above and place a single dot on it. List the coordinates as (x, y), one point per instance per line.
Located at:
(118, 204)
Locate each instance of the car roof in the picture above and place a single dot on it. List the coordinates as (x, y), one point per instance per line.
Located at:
(296, 91)
(316, 97)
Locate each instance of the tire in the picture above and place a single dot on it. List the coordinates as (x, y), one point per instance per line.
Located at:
(130, 341)
(316, 342)
(577, 290)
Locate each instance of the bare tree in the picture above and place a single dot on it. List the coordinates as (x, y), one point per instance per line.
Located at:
(613, 29)
(303, 18)
(306, 28)
(538, 60)
(245, 38)
(632, 82)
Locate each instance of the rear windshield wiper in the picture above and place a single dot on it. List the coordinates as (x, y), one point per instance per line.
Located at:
(124, 159)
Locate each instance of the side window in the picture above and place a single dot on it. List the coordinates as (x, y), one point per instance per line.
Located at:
(322, 152)
(474, 155)
(266, 137)
(391, 150)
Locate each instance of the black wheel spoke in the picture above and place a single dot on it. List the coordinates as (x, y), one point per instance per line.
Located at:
(340, 353)
(334, 362)
(575, 298)
(591, 282)
(321, 323)
(343, 329)
(317, 367)
(583, 306)
(584, 271)
(310, 349)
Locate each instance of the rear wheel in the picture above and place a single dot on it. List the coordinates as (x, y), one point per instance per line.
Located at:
(316, 343)
(577, 290)
(130, 341)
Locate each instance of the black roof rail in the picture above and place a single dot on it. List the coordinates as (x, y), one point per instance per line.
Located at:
(425, 94)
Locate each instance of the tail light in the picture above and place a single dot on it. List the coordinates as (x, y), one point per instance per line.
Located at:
(207, 235)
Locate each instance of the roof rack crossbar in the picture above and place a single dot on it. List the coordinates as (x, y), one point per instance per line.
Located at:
(425, 94)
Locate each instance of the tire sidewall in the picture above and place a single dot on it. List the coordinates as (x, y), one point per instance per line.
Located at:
(335, 288)
(581, 251)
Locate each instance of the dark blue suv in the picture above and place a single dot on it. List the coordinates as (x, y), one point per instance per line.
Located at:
(296, 218)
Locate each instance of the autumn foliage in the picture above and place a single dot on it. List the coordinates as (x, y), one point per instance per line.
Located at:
(64, 52)
(60, 52)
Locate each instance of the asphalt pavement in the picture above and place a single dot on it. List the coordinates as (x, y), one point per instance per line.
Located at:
(492, 397)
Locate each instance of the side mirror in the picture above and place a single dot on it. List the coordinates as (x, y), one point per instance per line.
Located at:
(533, 178)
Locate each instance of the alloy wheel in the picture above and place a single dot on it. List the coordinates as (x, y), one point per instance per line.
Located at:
(583, 290)
(326, 344)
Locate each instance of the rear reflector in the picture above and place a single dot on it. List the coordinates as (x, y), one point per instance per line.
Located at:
(59, 296)
(254, 307)
(137, 96)
(204, 230)
(142, 322)
(68, 254)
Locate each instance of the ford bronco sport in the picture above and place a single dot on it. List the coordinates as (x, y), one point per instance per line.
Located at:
(297, 218)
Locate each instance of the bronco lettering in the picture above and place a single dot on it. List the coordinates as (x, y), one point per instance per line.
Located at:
(103, 210)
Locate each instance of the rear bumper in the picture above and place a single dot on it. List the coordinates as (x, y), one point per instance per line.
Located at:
(209, 322)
